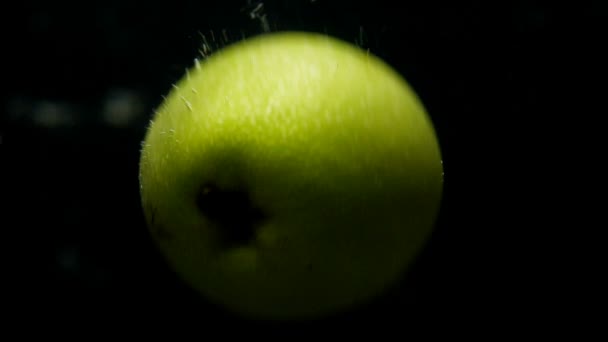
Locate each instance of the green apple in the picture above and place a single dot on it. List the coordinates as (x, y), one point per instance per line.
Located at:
(291, 175)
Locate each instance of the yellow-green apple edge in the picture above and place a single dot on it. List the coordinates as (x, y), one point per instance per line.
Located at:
(291, 175)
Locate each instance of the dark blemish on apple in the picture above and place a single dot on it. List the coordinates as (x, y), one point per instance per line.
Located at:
(159, 231)
(152, 216)
(232, 211)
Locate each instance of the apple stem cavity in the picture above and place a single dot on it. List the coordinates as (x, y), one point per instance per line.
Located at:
(232, 212)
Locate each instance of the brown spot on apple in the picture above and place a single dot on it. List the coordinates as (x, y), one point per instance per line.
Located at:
(161, 232)
(158, 230)
(232, 211)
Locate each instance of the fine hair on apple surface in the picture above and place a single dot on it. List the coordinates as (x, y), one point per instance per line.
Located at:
(291, 175)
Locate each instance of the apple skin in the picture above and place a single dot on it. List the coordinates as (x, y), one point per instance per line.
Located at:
(327, 141)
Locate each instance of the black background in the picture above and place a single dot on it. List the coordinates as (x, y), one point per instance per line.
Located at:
(76, 241)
